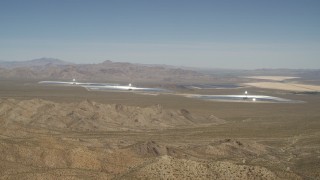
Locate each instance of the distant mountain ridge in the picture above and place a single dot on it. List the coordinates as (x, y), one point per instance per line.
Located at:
(107, 71)
(32, 63)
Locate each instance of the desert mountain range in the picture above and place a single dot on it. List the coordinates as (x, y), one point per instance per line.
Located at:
(32, 63)
(123, 72)
(48, 68)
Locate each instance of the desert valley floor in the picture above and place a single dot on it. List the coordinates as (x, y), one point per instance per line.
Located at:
(56, 132)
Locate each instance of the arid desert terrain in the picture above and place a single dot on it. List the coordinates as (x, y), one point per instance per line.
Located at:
(59, 132)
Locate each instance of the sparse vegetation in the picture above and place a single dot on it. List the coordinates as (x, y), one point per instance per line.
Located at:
(67, 132)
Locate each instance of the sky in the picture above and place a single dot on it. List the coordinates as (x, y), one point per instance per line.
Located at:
(241, 34)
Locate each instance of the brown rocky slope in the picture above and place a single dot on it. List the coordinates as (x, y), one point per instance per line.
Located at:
(42, 139)
(93, 116)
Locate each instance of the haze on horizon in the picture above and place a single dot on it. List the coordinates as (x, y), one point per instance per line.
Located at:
(213, 34)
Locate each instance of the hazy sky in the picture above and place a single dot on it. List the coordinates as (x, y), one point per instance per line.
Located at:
(201, 33)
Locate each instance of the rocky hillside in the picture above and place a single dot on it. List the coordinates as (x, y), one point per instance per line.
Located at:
(92, 116)
(42, 139)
